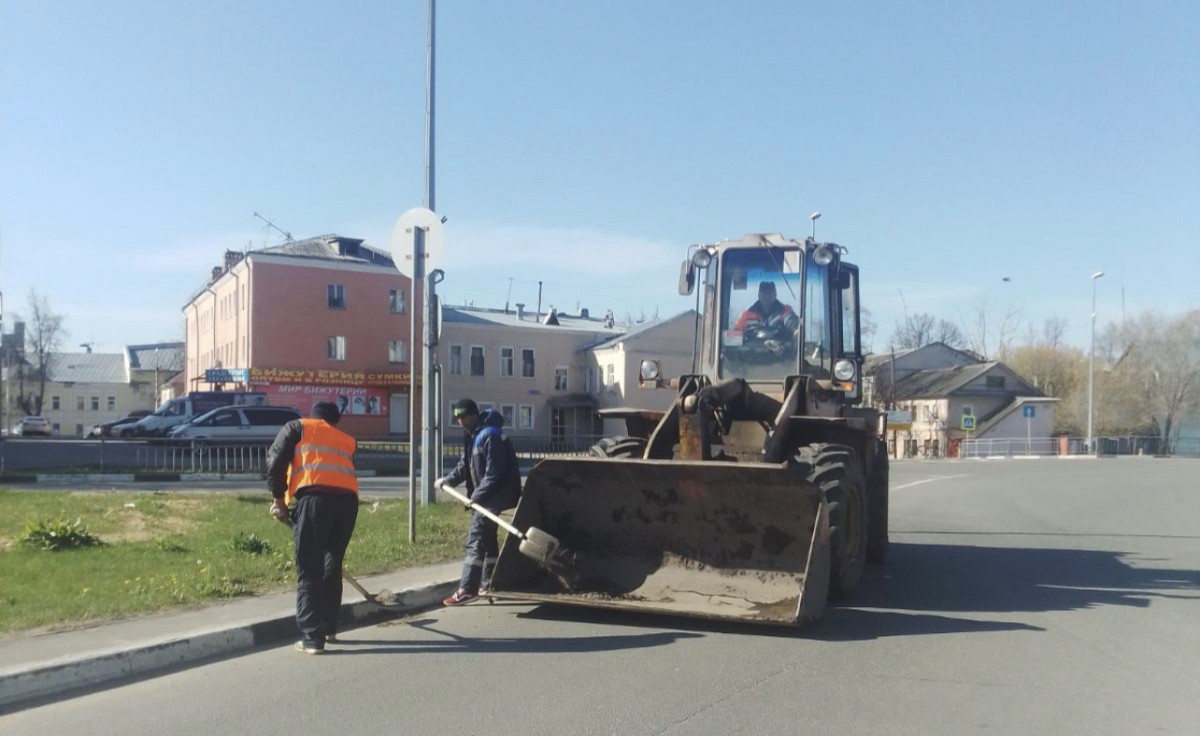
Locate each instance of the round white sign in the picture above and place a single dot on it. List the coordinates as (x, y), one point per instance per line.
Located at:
(403, 242)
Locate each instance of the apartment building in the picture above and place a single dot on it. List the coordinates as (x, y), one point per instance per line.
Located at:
(549, 374)
(321, 319)
(85, 389)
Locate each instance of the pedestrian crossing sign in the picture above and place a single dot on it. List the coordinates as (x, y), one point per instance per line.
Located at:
(968, 423)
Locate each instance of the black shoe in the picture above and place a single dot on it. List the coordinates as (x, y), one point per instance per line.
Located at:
(331, 639)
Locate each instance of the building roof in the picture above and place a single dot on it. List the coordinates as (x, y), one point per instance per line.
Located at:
(528, 320)
(642, 329)
(164, 356)
(330, 247)
(87, 368)
(946, 381)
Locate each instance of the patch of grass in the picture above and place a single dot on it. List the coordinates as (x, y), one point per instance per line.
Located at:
(166, 549)
(58, 534)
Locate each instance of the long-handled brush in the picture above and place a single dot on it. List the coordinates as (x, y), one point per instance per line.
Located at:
(384, 598)
(536, 544)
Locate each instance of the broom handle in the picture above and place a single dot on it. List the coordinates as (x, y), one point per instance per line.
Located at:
(345, 575)
(507, 527)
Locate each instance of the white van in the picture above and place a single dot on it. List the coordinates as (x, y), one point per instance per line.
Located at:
(186, 408)
(233, 425)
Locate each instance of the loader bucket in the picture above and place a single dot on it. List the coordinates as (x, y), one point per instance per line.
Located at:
(741, 541)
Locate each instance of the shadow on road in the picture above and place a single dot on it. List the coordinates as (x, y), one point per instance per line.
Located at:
(533, 644)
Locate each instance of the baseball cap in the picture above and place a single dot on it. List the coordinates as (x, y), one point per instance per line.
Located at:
(465, 407)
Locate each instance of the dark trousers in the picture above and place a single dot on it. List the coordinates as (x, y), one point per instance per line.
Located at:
(482, 551)
(324, 523)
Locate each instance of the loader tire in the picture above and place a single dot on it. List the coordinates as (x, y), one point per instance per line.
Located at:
(877, 506)
(836, 471)
(613, 447)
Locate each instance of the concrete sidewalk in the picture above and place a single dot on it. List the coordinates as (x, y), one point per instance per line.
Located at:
(45, 666)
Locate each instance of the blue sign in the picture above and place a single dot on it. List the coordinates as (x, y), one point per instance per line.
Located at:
(227, 375)
(968, 422)
(1029, 411)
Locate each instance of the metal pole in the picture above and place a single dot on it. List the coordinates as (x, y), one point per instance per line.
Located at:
(418, 274)
(428, 470)
(1092, 363)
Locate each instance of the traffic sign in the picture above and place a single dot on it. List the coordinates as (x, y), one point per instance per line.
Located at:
(1029, 411)
(968, 423)
(401, 241)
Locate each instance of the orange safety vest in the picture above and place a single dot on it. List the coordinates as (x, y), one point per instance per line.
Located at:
(324, 456)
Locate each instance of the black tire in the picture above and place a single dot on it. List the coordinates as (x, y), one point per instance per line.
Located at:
(614, 447)
(835, 469)
(877, 506)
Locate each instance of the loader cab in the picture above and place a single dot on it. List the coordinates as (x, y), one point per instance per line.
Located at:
(777, 307)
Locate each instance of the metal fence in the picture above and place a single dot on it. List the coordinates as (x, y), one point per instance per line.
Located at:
(1068, 446)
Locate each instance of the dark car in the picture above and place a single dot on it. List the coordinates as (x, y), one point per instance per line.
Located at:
(122, 427)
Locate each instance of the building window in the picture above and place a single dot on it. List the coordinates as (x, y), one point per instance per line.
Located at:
(95, 403)
(476, 360)
(456, 360)
(337, 296)
(558, 423)
(397, 351)
(589, 380)
(54, 403)
(79, 429)
(397, 301)
(560, 378)
(525, 417)
(506, 362)
(611, 379)
(527, 363)
(55, 429)
(78, 403)
(968, 411)
(337, 348)
(486, 406)
(995, 381)
(509, 412)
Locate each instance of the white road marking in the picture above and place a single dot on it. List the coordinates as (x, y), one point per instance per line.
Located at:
(927, 480)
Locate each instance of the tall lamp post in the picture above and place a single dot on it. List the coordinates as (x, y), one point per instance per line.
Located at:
(1092, 362)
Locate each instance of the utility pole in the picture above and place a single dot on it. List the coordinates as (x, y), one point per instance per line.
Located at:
(1092, 362)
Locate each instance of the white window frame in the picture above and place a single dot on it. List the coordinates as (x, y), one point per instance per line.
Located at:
(589, 380)
(482, 361)
(95, 403)
(397, 301)
(525, 411)
(610, 376)
(54, 403)
(335, 348)
(507, 361)
(397, 351)
(79, 403)
(509, 412)
(456, 360)
(532, 363)
(565, 372)
(335, 296)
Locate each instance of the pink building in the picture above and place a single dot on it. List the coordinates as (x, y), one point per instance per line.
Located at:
(325, 318)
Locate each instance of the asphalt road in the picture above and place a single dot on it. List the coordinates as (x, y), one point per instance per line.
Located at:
(1020, 597)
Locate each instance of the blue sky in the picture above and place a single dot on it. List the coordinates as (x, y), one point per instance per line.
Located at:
(585, 145)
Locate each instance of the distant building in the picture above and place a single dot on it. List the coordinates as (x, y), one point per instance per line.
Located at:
(326, 318)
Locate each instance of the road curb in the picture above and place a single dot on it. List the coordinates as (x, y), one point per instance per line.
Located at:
(68, 676)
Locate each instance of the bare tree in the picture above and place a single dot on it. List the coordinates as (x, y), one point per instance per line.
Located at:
(1151, 380)
(1057, 371)
(992, 332)
(1052, 335)
(918, 330)
(44, 335)
(867, 327)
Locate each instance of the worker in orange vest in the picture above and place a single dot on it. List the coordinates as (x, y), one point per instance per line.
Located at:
(310, 468)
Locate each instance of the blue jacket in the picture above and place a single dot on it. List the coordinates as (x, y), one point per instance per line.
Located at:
(489, 465)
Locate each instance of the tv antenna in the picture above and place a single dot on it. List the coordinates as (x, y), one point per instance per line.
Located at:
(287, 236)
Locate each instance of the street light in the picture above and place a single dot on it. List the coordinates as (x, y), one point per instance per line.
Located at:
(814, 217)
(1092, 361)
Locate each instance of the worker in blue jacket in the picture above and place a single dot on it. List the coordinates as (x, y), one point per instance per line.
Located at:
(489, 468)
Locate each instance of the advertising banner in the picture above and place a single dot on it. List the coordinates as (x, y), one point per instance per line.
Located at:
(300, 376)
(350, 399)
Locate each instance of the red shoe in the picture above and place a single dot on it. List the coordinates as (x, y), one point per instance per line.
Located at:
(460, 597)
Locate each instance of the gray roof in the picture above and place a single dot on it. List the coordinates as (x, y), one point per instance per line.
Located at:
(498, 317)
(165, 356)
(946, 381)
(88, 368)
(330, 248)
(643, 329)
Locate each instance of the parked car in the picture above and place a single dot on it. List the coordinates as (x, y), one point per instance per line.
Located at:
(122, 427)
(234, 425)
(32, 426)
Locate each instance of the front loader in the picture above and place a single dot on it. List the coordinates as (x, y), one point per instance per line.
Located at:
(761, 491)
